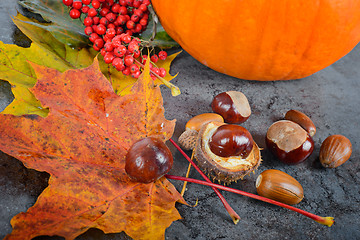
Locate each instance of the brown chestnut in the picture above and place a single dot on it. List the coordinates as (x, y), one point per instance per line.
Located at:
(289, 142)
(279, 186)
(231, 140)
(302, 119)
(147, 160)
(233, 106)
(225, 169)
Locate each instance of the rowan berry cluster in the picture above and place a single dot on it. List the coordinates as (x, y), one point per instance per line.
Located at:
(112, 26)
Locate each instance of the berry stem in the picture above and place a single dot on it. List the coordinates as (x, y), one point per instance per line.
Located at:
(328, 221)
(175, 91)
(234, 216)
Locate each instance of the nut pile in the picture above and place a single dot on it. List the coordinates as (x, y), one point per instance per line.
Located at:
(227, 152)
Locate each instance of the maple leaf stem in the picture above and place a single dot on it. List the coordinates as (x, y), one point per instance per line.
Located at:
(328, 221)
(175, 91)
(234, 216)
(187, 175)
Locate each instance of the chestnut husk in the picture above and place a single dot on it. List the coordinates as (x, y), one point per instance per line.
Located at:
(218, 172)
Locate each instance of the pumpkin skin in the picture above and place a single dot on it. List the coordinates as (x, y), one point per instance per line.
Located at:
(263, 39)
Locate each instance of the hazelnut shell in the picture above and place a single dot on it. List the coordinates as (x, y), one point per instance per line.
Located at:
(334, 151)
(279, 186)
(224, 169)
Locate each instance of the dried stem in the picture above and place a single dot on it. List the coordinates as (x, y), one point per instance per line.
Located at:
(174, 89)
(234, 216)
(187, 175)
(328, 221)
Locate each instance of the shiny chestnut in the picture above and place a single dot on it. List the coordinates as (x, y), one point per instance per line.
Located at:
(302, 119)
(147, 160)
(231, 140)
(187, 140)
(242, 155)
(233, 106)
(289, 142)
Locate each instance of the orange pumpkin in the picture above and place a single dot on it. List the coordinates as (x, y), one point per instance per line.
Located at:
(263, 39)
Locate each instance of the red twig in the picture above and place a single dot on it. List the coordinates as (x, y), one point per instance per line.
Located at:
(328, 221)
(234, 216)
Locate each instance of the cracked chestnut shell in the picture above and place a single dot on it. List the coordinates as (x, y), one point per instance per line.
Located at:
(289, 142)
(224, 168)
(147, 160)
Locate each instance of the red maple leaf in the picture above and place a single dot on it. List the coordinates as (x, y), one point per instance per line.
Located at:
(82, 145)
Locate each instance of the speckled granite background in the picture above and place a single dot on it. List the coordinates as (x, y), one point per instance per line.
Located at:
(330, 97)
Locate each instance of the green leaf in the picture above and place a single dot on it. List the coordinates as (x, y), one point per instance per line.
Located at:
(60, 25)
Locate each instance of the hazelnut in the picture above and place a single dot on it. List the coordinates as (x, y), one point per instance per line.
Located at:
(279, 186)
(187, 139)
(289, 142)
(232, 159)
(335, 150)
(303, 120)
(233, 106)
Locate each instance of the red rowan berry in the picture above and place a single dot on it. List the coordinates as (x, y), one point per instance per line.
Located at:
(115, 8)
(96, 20)
(130, 24)
(99, 43)
(126, 38)
(128, 60)
(134, 68)
(162, 72)
(104, 21)
(88, 21)
(100, 29)
(143, 7)
(88, 31)
(123, 10)
(74, 13)
(92, 12)
(111, 17)
(108, 47)
(104, 11)
(162, 55)
(68, 2)
(120, 51)
(77, 5)
(154, 58)
(93, 37)
(95, 4)
(126, 71)
(85, 9)
(108, 58)
(136, 74)
(118, 64)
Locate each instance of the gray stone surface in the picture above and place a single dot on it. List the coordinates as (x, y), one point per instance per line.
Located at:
(330, 97)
